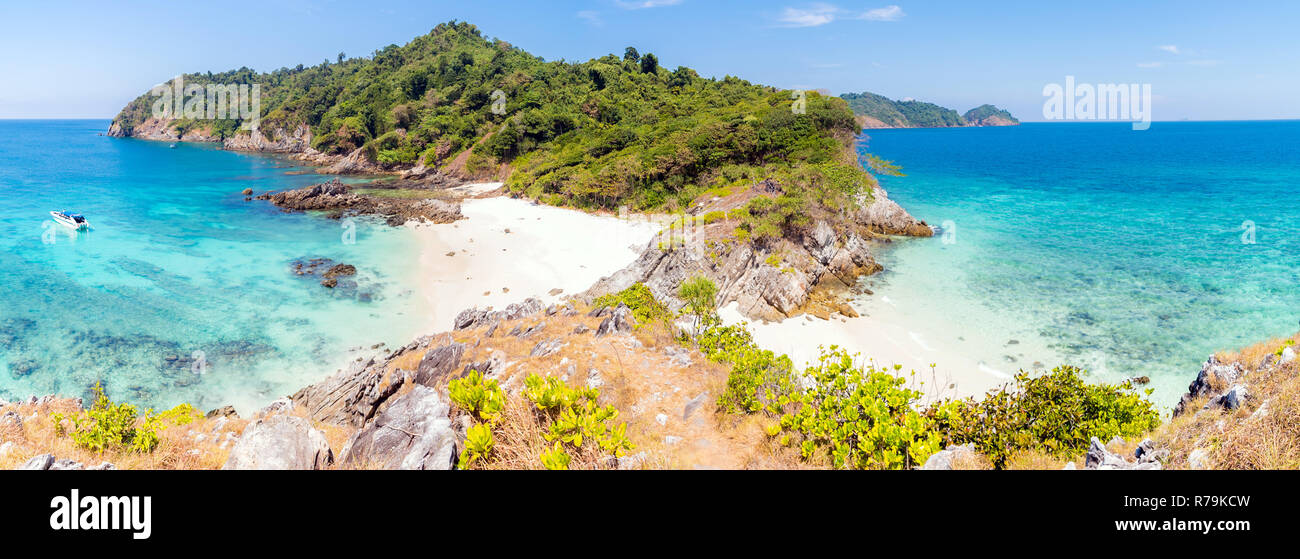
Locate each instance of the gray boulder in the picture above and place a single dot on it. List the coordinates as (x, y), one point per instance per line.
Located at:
(1234, 398)
(1213, 373)
(11, 426)
(1098, 458)
(619, 321)
(438, 364)
(42, 462)
(944, 459)
(413, 433)
(281, 442)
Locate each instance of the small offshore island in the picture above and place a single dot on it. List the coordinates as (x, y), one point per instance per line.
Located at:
(652, 225)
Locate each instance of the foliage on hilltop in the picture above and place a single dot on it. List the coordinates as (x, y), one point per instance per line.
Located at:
(919, 114)
(616, 130)
(985, 112)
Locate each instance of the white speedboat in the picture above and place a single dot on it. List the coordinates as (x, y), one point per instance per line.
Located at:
(75, 221)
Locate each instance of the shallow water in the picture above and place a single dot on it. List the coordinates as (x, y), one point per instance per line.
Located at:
(182, 291)
(1121, 251)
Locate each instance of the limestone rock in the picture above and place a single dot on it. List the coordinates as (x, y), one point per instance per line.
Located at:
(619, 321)
(885, 216)
(943, 460)
(41, 462)
(1098, 458)
(413, 433)
(1213, 373)
(282, 442)
(438, 364)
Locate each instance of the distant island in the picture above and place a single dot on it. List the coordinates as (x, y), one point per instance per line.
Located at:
(878, 111)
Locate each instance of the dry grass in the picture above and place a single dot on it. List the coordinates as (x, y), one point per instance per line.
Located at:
(1239, 439)
(194, 446)
(643, 377)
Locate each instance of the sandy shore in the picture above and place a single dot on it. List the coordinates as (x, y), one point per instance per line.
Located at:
(881, 341)
(510, 249)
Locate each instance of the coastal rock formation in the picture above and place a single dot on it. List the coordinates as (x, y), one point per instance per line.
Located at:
(413, 433)
(354, 395)
(1214, 377)
(338, 200)
(280, 442)
(886, 217)
(332, 195)
(474, 318)
(746, 274)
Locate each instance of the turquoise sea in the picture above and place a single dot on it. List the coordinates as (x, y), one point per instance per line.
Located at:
(1130, 253)
(182, 291)
(1091, 244)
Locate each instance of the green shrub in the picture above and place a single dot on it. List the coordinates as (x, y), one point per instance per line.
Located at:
(572, 417)
(1055, 413)
(645, 307)
(478, 445)
(481, 398)
(1283, 347)
(107, 425)
(861, 418)
(556, 458)
(759, 378)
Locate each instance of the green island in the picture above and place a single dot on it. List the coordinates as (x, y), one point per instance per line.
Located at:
(878, 111)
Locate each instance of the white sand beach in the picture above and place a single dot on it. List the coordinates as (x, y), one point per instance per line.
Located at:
(511, 249)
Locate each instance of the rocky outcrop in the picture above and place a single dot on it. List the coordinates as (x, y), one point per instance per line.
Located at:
(745, 274)
(279, 141)
(280, 442)
(1214, 378)
(357, 162)
(1098, 458)
(617, 321)
(358, 394)
(332, 195)
(413, 433)
(48, 462)
(474, 318)
(886, 217)
(338, 200)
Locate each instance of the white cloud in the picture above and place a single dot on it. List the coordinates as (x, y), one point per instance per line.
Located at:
(1172, 49)
(819, 14)
(1149, 64)
(813, 16)
(887, 13)
(591, 17)
(643, 4)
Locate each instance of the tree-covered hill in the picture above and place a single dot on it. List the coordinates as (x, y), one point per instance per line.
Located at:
(608, 131)
(988, 115)
(878, 111)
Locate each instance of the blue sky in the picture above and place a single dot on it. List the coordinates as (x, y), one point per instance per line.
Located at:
(1205, 60)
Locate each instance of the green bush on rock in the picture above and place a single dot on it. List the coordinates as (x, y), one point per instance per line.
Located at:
(1057, 413)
